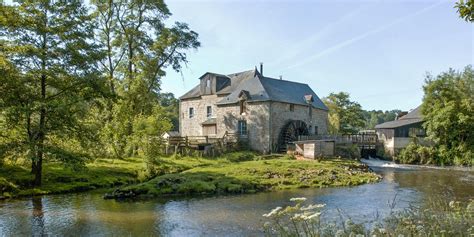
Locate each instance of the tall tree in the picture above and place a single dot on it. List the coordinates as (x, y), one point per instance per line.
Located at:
(140, 47)
(448, 109)
(345, 116)
(55, 79)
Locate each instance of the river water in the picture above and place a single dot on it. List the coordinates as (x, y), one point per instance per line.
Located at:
(87, 214)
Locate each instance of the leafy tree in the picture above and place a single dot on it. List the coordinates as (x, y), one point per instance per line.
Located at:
(139, 46)
(171, 107)
(345, 116)
(466, 9)
(375, 117)
(448, 109)
(52, 80)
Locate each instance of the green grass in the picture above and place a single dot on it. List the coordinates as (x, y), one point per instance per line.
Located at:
(238, 172)
(222, 176)
(103, 173)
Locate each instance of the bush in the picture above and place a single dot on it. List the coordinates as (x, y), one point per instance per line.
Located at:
(417, 154)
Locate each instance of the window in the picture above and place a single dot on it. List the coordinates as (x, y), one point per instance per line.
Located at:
(292, 107)
(242, 126)
(209, 111)
(242, 107)
(315, 130)
(191, 112)
(208, 83)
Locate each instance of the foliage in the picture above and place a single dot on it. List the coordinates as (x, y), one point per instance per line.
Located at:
(83, 81)
(466, 9)
(375, 117)
(448, 109)
(438, 218)
(51, 80)
(139, 46)
(345, 116)
(415, 153)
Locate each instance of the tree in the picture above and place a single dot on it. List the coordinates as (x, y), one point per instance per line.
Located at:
(375, 117)
(171, 107)
(48, 54)
(466, 10)
(139, 47)
(448, 109)
(345, 116)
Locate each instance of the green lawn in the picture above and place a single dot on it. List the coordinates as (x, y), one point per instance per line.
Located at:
(239, 172)
(16, 180)
(225, 176)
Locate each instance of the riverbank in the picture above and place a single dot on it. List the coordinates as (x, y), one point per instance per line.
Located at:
(236, 175)
(240, 172)
(15, 180)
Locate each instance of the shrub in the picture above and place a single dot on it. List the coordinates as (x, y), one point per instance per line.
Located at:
(418, 154)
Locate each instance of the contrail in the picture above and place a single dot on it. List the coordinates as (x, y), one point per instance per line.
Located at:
(362, 36)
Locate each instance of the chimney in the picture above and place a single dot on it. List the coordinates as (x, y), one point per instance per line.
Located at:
(261, 68)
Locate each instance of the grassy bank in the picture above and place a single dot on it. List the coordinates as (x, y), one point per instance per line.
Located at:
(103, 173)
(240, 172)
(246, 173)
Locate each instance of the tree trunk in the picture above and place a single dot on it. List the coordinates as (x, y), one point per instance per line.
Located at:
(38, 161)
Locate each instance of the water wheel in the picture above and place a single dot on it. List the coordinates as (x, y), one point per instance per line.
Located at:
(290, 133)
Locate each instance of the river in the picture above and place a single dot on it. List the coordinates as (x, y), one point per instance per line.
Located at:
(88, 214)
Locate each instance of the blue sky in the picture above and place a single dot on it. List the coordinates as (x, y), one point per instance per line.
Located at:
(378, 51)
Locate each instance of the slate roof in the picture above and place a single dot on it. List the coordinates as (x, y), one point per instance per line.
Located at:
(261, 88)
(235, 80)
(412, 117)
(270, 89)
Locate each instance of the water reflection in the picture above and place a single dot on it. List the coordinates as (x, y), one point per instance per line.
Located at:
(90, 215)
(37, 222)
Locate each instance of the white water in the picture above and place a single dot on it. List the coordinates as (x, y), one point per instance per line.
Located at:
(375, 162)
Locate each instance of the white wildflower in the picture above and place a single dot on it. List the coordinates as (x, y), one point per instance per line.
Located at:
(273, 212)
(317, 214)
(311, 207)
(298, 199)
(298, 216)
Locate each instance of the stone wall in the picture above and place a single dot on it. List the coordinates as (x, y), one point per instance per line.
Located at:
(192, 126)
(281, 114)
(257, 117)
(394, 145)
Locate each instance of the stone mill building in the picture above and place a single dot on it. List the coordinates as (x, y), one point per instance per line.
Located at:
(265, 112)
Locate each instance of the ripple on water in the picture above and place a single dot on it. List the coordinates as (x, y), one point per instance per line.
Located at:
(90, 215)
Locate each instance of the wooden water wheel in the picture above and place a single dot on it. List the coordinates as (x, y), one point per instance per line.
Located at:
(290, 132)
